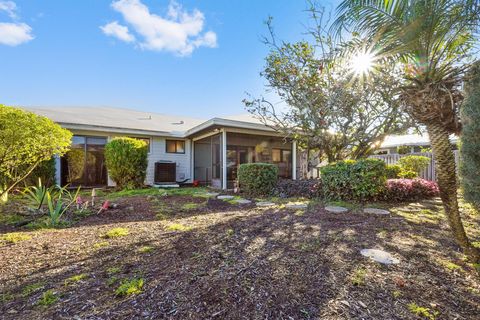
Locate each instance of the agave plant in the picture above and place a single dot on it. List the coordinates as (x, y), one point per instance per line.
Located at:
(431, 40)
(57, 205)
(37, 194)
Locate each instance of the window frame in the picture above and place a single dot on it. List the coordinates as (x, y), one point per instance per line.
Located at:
(176, 146)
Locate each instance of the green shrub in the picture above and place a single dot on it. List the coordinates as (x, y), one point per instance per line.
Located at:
(257, 179)
(127, 160)
(414, 163)
(45, 171)
(393, 171)
(354, 180)
(407, 174)
(470, 144)
(26, 140)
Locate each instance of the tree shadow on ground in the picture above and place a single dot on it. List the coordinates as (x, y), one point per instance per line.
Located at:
(274, 264)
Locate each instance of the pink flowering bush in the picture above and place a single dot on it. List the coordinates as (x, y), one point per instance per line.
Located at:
(410, 189)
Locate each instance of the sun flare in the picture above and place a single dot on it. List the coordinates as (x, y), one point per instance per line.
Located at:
(362, 63)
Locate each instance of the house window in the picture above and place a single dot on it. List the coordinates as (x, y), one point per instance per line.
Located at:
(175, 146)
(147, 140)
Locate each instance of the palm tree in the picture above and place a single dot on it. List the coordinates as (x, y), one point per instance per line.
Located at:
(432, 40)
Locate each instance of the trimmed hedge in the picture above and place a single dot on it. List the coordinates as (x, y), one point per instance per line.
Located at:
(127, 160)
(393, 171)
(410, 189)
(311, 188)
(414, 164)
(257, 179)
(360, 180)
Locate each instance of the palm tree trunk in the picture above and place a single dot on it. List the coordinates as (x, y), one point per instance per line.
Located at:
(447, 183)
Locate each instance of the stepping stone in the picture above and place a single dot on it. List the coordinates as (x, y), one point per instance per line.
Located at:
(296, 205)
(379, 256)
(265, 204)
(225, 197)
(335, 209)
(242, 201)
(376, 211)
(211, 194)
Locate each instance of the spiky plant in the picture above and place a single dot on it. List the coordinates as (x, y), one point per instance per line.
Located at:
(431, 40)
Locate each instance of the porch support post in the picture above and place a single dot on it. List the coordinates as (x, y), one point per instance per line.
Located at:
(224, 159)
(58, 170)
(294, 160)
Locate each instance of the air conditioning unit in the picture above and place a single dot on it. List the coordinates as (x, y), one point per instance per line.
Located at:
(165, 172)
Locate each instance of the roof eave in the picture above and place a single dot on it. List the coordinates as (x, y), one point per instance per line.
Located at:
(89, 127)
(227, 123)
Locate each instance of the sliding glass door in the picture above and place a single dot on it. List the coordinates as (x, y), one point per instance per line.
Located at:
(84, 163)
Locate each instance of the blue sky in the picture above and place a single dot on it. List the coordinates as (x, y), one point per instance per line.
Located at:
(194, 58)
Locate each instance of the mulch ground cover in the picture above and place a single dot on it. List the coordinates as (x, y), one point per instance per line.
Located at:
(210, 259)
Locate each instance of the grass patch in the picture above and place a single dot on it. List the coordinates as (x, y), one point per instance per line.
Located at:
(311, 245)
(15, 237)
(113, 270)
(116, 232)
(450, 265)
(396, 294)
(187, 191)
(48, 298)
(102, 244)
(31, 288)
(178, 227)
(422, 311)
(10, 219)
(129, 287)
(133, 193)
(230, 232)
(146, 249)
(75, 279)
(358, 277)
(190, 206)
(6, 297)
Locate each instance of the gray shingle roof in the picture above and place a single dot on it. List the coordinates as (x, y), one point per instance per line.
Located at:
(107, 117)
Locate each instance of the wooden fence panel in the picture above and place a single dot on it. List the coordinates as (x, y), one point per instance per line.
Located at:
(428, 173)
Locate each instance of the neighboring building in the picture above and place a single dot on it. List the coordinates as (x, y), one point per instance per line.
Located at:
(409, 143)
(180, 148)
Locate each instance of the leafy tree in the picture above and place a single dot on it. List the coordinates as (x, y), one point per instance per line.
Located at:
(326, 108)
(127, 161)
(432, 42)
(470, 145)
(26, 140)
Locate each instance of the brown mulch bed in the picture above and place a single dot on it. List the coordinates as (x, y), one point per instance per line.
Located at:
(237, 263)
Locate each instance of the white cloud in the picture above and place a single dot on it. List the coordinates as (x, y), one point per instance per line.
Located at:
(13, 34)
(9, 7)
(179, 31)
(116, 30)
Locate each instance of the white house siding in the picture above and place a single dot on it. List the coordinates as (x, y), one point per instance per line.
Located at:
(157, 153)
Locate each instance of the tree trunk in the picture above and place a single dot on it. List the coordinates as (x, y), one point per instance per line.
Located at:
(447, 183)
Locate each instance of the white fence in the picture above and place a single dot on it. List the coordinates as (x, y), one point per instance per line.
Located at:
(428, 173)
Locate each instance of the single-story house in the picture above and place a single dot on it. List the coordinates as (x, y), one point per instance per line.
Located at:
(409, 143)
(180, 148)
